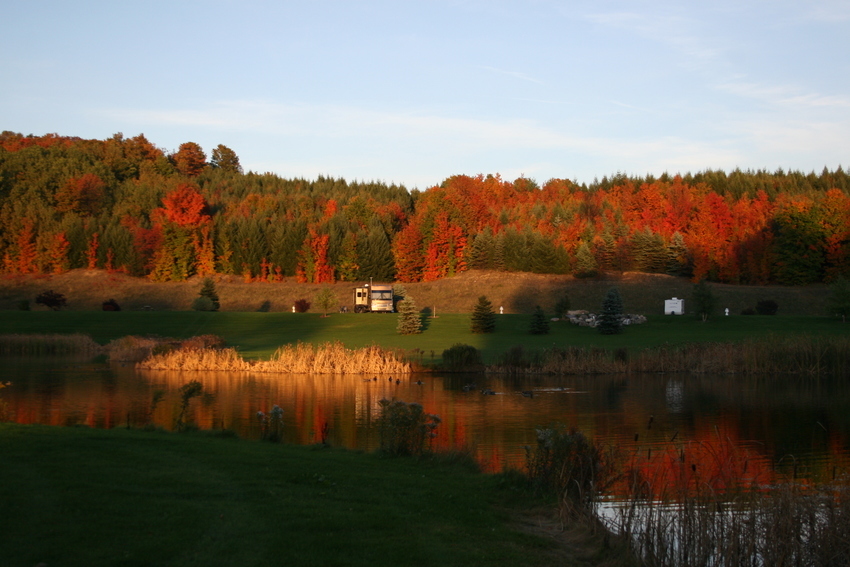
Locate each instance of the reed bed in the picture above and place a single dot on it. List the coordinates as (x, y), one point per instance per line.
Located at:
(328, 358)
(790, 524)
(808, 356)
(48, 345)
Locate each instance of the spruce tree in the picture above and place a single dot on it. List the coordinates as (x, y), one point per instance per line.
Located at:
(409, 322)
(586, 266)
(612, 308)
(208, 290)
(539, 323)
(483, 316)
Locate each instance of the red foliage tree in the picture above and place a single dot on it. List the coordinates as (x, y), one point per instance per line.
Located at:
(82, 195)
(190, 159)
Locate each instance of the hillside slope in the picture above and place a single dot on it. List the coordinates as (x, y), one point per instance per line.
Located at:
(516, 292)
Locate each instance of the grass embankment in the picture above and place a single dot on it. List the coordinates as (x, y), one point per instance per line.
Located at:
(86, 290)
(258, 335)
(78, 496)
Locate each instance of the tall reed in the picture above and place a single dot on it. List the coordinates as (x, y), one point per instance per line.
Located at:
(806, 356)
(53, 344)
(328, 358)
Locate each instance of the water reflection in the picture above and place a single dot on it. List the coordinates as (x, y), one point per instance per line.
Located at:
(670, 427)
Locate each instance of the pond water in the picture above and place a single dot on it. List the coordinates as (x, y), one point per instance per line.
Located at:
(714, 426)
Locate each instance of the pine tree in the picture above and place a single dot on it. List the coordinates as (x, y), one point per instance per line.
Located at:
(208, 290)
(586, 266)
(409, 321)
(612, 309)
(539, 323)
(483, 316)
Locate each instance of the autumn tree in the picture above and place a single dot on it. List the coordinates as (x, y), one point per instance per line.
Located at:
(190, 159)
(82, 195)
(225, 159)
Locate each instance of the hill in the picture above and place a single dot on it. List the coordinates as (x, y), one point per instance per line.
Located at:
(517, 292)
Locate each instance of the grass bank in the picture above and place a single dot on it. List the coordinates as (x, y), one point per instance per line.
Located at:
(78, 496)
(258, 335)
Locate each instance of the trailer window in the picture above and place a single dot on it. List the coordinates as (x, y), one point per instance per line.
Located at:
(382, 295)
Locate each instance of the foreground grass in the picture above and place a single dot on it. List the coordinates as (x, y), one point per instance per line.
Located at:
(78, 496)
(258, 335)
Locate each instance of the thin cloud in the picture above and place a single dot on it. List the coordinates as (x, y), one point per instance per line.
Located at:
(514, 74)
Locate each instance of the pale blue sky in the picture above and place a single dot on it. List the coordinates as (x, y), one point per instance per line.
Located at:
(413, 92)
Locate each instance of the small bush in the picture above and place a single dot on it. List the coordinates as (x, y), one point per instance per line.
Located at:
(302, 306)
(462, 357)
(111, 305)
(203, 303)
(568, 463)
(405, 428)
(767, 307)
(52, 300)
(271, 425)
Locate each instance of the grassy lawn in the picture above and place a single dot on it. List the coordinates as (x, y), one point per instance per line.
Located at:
(78, 496)
(257, 335)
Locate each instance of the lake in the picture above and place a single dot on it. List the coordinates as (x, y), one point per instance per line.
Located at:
(719, 426)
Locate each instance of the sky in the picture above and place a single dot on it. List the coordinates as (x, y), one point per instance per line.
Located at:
(414, 92)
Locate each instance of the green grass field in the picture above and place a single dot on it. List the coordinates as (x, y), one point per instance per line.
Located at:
(83, 497)
(258, 335)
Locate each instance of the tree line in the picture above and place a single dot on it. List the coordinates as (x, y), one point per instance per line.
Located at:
(124, 204)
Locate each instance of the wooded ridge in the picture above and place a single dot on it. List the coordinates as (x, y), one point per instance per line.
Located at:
(123, 204)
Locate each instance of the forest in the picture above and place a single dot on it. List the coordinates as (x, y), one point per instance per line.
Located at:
(123, 204)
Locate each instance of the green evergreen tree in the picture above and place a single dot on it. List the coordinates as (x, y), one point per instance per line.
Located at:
(610, 322)
(703, 299)
(678, 263)
(409, 321)
(208, 290)
(586, 266)
(483, 316)
(562, 306)
(539, 322)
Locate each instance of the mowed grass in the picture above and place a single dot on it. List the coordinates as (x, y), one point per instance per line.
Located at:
(83, 497)
(258, 335)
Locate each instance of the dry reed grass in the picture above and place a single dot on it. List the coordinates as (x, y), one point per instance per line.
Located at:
(48, 345)
(807, 356)
(328, 358)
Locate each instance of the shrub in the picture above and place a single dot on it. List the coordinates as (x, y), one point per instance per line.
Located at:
(203, 303)
(271, 425)
(767, 307)
(302, 306)
(52, 300)
(462, 357)
(111, 305)
(405, 428)
(566, 462)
